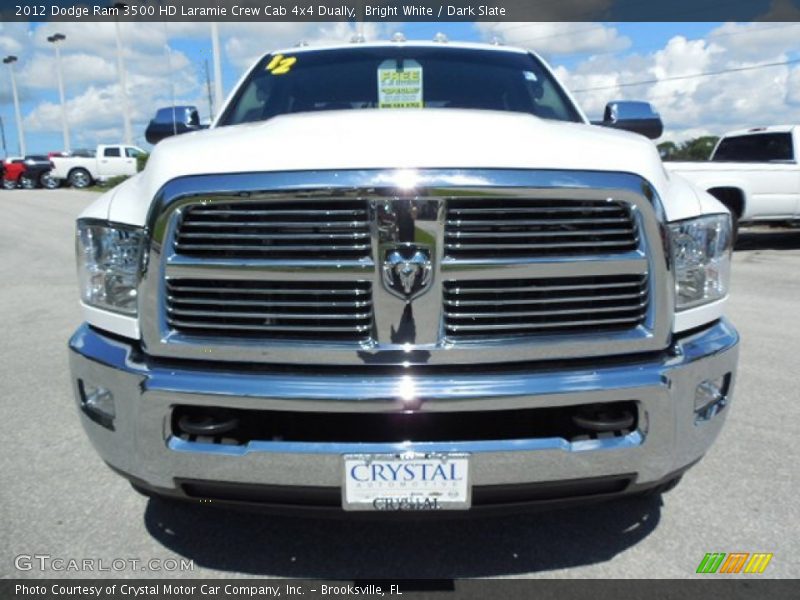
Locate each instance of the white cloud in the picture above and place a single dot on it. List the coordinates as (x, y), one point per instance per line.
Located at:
(695, 103)
(246, 42)
(793, 87)
(692, 106)
(556, 39)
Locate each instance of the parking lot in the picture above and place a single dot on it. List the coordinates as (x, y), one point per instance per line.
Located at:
(59, 499)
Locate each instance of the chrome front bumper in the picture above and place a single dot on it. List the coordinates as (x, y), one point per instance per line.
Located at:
(669, 437)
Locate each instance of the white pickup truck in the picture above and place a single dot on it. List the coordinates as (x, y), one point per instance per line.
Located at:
(106, 162)
(403, 276)
(753, 172)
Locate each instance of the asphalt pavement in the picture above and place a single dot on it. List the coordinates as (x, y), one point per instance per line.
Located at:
(58, 499)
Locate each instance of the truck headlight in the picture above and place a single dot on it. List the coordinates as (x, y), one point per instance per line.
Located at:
(701, 255)
(109, 259)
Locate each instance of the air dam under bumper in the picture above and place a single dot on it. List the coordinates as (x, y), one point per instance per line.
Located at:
(668, 437)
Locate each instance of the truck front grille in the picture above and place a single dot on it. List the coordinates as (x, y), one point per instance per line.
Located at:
(323, 310)
(508, 308)
(299, 230)
(517, 227)
(450, 267)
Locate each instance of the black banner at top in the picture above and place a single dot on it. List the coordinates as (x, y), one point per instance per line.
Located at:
(399, 10)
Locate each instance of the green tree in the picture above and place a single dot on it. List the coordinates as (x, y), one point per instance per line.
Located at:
(695, 149)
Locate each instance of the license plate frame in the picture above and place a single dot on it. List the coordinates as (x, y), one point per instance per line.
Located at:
(454, 492)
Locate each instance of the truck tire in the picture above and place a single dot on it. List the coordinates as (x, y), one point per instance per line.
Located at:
(80, 178)
(27, 183)
(9, 184)
(49, 182)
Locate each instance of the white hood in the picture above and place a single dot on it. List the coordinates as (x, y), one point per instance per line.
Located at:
(374, 139)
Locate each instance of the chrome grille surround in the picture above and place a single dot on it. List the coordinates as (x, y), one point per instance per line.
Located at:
(407, 208)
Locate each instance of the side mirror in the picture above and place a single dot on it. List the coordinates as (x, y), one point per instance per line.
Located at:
(638, 117)
(172, 120)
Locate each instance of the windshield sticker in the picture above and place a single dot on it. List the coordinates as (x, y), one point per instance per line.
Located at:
(530, 76)
(400, 86)
(281, 64)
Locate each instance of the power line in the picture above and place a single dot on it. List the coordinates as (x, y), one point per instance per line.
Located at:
(682, 77)
(708, 38)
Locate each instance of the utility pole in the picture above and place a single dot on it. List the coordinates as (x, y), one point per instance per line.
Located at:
(171, 80)
(208, 88)
(10, 60)
(55, 39)
(126, 114)
(3, 135)
(218, 97)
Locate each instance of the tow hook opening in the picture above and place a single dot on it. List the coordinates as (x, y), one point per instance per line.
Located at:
(209, 425)
(605, 418)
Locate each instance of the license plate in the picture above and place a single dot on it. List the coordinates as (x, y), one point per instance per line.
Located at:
(406, 482)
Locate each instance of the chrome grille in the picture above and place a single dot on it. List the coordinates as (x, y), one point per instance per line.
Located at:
(327, 230)
(514, 227)
(508, 308)
(491, 299)
(324, 310)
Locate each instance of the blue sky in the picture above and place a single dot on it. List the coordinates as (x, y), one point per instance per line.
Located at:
(584, 55)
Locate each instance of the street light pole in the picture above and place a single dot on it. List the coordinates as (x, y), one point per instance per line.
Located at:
(10, 60)
(55, 39)
(218, 97)
(126, 115)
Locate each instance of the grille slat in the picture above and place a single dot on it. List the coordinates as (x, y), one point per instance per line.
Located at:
(329, 304)
(287, 316)
(299, 329)
(265, 289)
(281, 236)
(324, 311)
(540, 313)
(530, 209)
(525, 222)
(283, 212)
(527, 246)
(546, 300)
(305, 248)
(516, 308)
(321, 230)
(515, 234)
(483, 329)
(276, 224)
(530, 228)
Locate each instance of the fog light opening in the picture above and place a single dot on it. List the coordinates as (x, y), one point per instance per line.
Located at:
(97, 403)
(711, 397)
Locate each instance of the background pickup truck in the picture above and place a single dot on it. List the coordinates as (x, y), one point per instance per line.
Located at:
(107, 162)
(753, 172)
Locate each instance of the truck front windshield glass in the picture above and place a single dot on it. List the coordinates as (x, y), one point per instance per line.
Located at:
(402, 77)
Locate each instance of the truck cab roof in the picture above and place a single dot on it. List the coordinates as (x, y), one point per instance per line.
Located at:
(400, 44)
(758, 130)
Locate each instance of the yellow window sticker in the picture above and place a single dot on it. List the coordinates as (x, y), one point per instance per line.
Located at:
(400, 86)
(281, 64)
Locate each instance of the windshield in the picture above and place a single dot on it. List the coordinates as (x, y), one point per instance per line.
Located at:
(404, 77)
